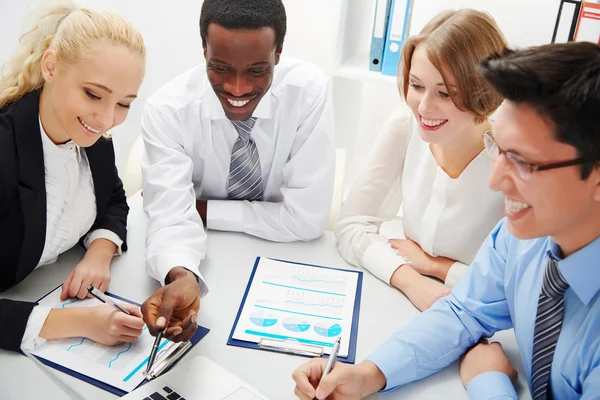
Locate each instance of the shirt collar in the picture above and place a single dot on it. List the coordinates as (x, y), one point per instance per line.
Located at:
(58, 150)
(262, 111)
(581, 269)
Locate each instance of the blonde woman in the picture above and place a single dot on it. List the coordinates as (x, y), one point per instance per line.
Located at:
(72, 79)
(429, 160)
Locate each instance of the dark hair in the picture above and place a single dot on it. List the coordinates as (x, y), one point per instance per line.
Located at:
(562, 83)
(244, 14)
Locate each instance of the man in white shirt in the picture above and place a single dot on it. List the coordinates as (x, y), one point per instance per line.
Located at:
(243, 144)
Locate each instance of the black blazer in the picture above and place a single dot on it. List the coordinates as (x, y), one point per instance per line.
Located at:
(23, 205)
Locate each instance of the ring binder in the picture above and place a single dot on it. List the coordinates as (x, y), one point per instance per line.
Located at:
(291, 346)
(166, 358)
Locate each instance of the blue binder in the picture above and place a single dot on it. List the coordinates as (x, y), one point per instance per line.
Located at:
(396, 34)
(380, 24)
(355, 316)
(200, 333)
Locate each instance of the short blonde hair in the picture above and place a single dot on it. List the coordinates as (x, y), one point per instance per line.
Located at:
(456, 41)
(70, 30)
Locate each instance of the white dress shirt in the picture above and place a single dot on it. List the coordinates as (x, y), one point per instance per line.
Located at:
(445, 216)
(70, 213)
(187, 151)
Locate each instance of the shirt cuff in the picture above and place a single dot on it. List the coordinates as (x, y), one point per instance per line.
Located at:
(456, 271)
(382, 261)
(225, 215)
(491, 385)
(162, 265)
(104, 234)
(35, 323)
(384, 360)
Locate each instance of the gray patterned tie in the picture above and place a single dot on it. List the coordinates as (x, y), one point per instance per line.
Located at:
(547, 329)
(245, 179)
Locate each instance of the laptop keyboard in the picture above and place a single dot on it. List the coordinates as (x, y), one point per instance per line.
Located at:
(165, 394)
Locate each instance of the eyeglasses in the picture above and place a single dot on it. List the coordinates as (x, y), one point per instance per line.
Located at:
(524, 168)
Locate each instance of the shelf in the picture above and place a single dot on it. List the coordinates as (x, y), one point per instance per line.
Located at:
(357, 67)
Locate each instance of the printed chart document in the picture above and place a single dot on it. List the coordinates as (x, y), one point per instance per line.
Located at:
(120, 366)
(288, 301)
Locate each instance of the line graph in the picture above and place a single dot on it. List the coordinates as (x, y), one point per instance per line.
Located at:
(76, 344)
(118, 354)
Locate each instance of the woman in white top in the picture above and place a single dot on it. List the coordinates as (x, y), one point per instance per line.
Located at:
(430, 160)
(72, 79)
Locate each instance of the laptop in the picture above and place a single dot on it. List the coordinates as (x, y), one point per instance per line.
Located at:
(198, 378)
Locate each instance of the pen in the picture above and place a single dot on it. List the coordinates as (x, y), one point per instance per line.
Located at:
(157, 340)
(105, 299)
(332, 358)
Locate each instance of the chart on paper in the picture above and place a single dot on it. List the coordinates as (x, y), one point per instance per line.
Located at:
(289, 301)
(121, 366)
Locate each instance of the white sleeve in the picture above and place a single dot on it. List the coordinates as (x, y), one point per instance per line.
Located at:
(456, 271)
(104, 234)
(376, 197)
(175, 235)
(31, 338)
(307, 188)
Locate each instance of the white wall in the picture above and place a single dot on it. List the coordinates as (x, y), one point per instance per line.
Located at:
(325, 32)
(172, 36)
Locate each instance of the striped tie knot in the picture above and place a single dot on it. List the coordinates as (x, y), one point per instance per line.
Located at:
(244, 128)
(554, 285)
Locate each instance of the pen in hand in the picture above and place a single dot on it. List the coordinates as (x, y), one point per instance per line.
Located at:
(332, 358)
(154, 350)
(105, 299)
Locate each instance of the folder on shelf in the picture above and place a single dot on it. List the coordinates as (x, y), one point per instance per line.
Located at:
(299, 309)
(566, 21)
(588, 26)
(380, 24)
(397, 32)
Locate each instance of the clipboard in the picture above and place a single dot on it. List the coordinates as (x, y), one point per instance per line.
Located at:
(160, 366)
(294, 347)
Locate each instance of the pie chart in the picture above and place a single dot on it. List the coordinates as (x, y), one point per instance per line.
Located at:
(294, 324)
(264, 319)
(328, 329)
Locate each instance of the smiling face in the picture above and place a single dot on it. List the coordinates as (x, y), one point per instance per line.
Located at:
(240, 65)
(556, 202)
(430, 101)
(85, 99)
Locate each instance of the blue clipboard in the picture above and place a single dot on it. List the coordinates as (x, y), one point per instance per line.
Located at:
(350, 359)
(200, 333)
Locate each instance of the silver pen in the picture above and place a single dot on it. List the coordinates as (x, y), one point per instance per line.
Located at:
(105, 299)
(332, 358)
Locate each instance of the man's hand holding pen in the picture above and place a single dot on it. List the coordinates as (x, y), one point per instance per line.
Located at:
(175, 305)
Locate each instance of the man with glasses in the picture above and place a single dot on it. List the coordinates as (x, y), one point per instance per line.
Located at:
(538, 271)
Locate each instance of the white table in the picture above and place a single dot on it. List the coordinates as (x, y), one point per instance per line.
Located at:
(227, 268)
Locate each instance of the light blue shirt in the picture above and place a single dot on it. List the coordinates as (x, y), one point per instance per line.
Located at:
(500, 291)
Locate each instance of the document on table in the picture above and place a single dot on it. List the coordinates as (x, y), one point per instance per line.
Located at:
(120, 366)
(309, 304)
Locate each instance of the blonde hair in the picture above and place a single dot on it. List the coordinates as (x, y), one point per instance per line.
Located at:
(69, 30)
(456, 41)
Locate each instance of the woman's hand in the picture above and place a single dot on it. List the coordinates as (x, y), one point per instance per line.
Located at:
(420, 261)
(108, 326)
(94, 270)
(421, 291)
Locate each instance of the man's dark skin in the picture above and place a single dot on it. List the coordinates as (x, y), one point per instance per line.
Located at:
(240, 65)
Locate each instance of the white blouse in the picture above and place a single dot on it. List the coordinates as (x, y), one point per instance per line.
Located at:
(445, 216)
(70, 213)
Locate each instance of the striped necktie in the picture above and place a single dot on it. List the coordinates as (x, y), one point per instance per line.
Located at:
(547, 329)
(245, 179)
